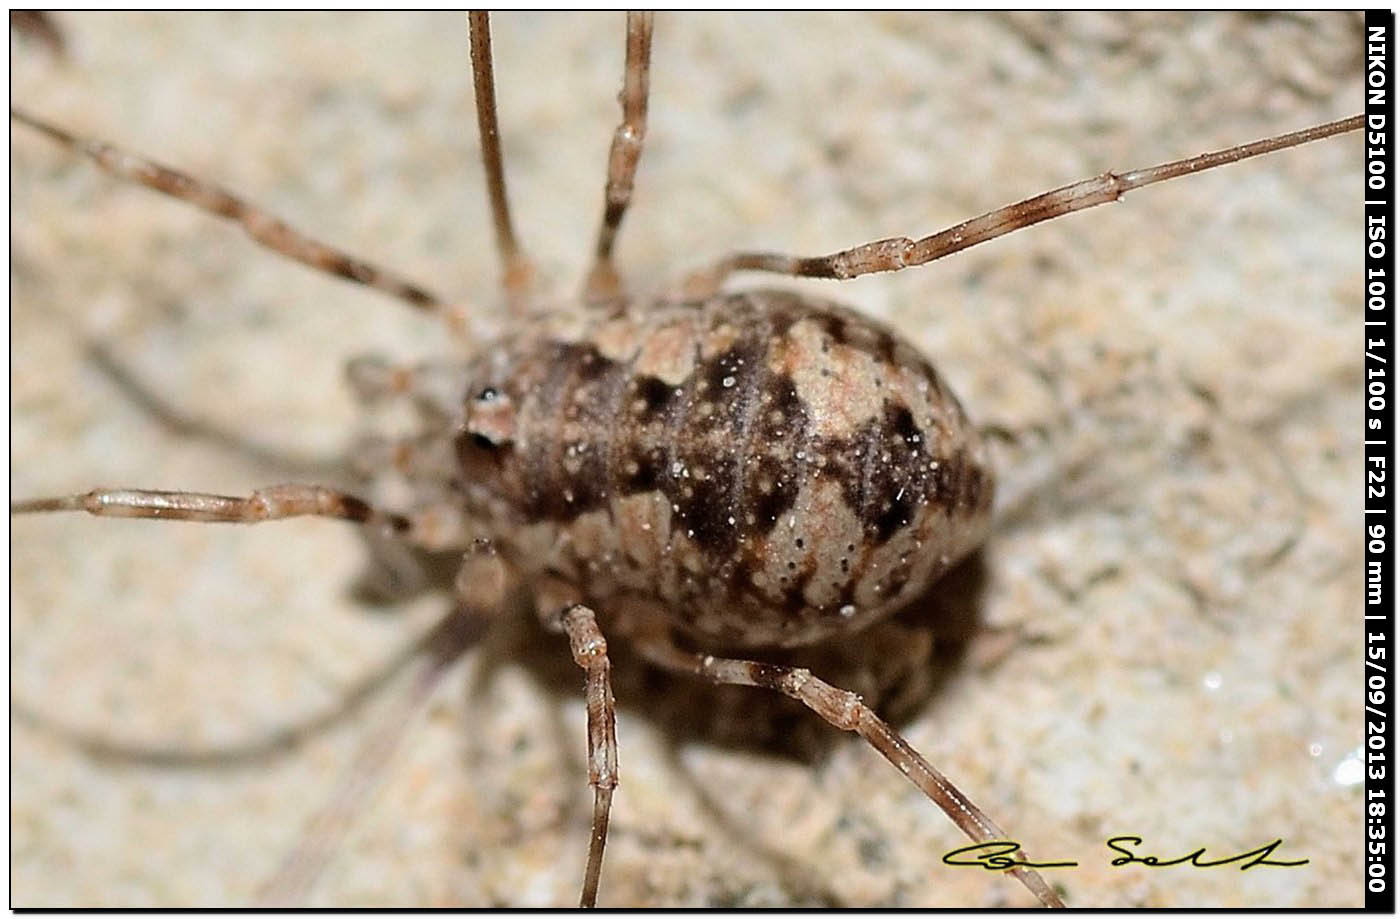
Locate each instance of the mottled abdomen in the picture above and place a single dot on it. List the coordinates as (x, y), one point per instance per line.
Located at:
(768, 468)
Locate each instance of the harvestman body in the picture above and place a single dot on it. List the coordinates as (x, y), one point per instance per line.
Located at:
(752, 470)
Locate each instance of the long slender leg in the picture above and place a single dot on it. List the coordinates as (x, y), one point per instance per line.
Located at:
(590, 652)
(518, 272)
(39, 25)
(264, 228)
(901, 252)
(845, 711)
(433, 527)
(274, 503)
(603, 283)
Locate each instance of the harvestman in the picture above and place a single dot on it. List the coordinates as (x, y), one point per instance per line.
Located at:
(432, 527)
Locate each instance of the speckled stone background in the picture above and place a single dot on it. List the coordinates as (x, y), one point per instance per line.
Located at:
(1161, 639)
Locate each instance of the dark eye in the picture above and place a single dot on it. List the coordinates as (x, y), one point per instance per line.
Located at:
(489, 394)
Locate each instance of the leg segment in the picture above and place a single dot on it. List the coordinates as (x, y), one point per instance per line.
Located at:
(590, 652)
(275, 503)
(901, 252)
(603, 283)
(40, 26)
(517, 268)
(423, 459)
(433, 527)
(845, 711)
(265, 229)
(436, 387)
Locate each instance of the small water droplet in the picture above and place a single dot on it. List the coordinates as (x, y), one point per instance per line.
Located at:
(848, 611)
(1349, 771)
(728, 382)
